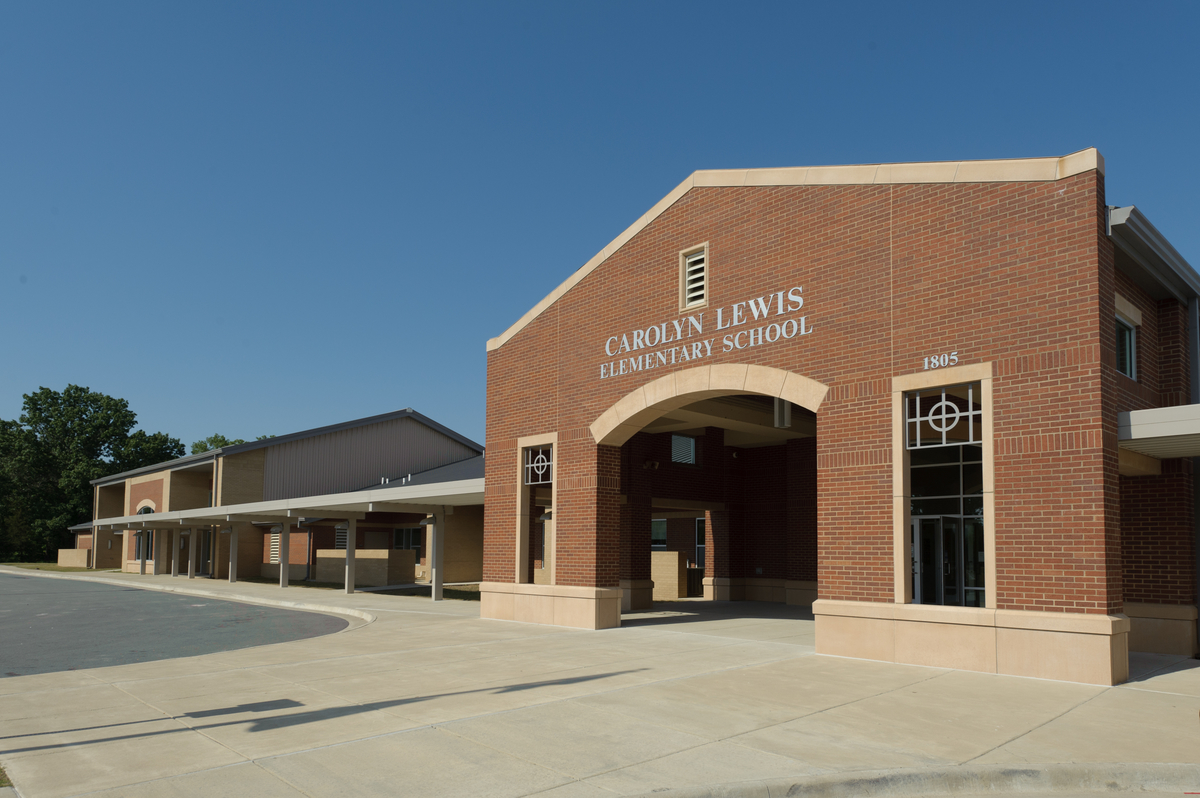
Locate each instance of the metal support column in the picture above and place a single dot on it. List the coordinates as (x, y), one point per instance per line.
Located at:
(438, 550)
(142, 546)
(351, 544)
(175, 552)
(233, 553)
(285, 558)
(160, 564)
(192, 553)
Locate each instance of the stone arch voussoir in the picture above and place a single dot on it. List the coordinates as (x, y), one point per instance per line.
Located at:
(639, 407)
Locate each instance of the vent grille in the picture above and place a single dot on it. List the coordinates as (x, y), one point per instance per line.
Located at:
(339, 538)
(683, 449)
(274, 547)
(695, 284)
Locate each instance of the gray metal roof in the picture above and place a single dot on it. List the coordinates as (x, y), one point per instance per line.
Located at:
(1155, 265)
(84, 527)
(463, 469)
(212, 454)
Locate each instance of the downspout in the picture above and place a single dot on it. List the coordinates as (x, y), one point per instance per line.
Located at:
(1194, 363)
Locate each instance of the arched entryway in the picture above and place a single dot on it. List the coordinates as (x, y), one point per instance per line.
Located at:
(718, 486)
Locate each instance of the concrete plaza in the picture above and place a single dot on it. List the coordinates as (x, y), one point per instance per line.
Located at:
(422, 698)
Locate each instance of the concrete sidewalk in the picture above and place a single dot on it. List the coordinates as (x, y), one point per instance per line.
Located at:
(425, 698)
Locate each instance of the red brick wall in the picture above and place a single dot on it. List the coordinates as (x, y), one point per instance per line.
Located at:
(1015, 273)
(1158, 535)
(152, 490)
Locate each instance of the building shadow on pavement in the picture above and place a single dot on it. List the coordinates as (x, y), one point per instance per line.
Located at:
(271, 722)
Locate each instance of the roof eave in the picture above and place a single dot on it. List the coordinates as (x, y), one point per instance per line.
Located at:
(1130, 230)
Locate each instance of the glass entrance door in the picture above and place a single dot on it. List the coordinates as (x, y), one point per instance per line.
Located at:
(204, 553)
(947, 561)
(927, 560)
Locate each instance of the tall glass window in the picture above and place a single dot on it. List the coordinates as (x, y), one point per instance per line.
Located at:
(944, 433)
(1126, 350)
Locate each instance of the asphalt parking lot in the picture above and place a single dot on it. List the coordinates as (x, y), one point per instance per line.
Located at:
(50, 625)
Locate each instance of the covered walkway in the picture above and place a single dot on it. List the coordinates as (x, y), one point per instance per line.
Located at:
(436, 500)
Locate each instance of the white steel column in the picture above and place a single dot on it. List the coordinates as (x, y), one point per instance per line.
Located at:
(285, 559)
(175, 552)
(142, 551)
(233, 553)
(351, 544)
(439, 549)
(214, 552)
(159, 562)
(192, 553)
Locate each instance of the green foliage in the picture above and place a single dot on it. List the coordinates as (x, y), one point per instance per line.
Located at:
(214, 441)
(263, 437)
(48, 457)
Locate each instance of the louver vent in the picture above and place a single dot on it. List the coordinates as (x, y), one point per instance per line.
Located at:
(695, 283)
(683, 449)
(274, 547)
(339, 538)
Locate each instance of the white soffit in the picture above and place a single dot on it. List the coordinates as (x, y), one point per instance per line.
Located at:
(1014, 170)
(1162, 432)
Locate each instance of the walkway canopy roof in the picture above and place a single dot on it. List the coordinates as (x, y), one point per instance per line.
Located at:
(464, 487)
(1161, 432)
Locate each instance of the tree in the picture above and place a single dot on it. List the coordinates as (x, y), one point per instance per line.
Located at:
(214, 441)
(48, 457)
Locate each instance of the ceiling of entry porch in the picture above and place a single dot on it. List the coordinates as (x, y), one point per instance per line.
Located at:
(749, 420)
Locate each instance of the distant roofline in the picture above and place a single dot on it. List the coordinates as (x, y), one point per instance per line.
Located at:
(1013, 170)
(211, 454)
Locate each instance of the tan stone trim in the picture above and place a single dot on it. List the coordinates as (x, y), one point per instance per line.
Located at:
(1127, 311)
(1162, 628)
(901, 510)
(1171, 612)
(568, 591)
(1074, 647)
(997, 171)
(647, 402)
(521, 572)
(1074, 622)
(144, 503)
(558, 605)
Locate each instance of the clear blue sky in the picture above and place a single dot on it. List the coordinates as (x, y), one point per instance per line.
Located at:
(257, 217)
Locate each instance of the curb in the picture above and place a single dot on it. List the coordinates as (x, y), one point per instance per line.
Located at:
(326, 609)
(968, 780)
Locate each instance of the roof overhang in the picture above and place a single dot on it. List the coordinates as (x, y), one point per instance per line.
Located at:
(355, 504)
(1161, 432)
(1155, 265)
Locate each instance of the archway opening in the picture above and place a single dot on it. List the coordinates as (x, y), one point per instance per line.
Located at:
(719, 509)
